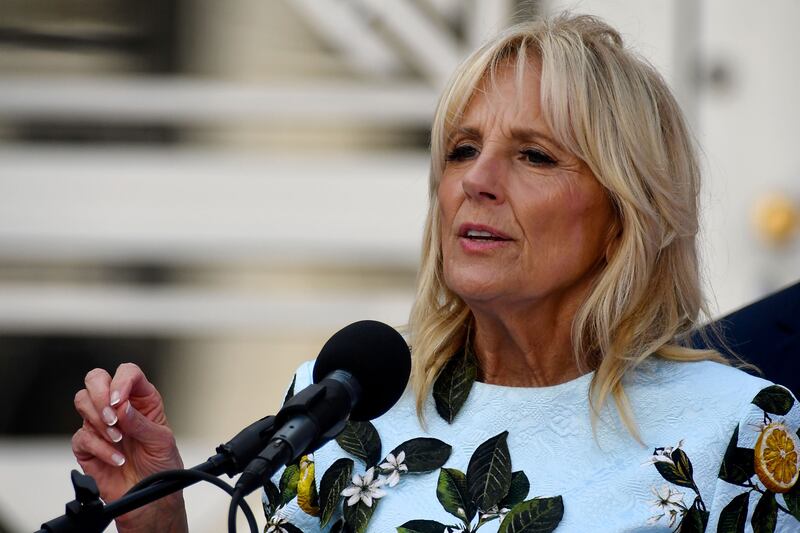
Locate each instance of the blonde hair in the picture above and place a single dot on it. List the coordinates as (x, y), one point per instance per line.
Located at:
(614, 111)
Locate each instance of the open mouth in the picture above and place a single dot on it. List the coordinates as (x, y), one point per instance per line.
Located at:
(469, 231)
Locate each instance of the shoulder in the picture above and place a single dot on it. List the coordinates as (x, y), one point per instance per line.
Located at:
(703, 387)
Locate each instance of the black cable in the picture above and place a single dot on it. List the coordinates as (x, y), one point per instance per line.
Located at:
(196, 474)
(236, 498)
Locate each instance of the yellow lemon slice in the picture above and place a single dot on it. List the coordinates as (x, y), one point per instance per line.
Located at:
(306, 487)
(776, 457)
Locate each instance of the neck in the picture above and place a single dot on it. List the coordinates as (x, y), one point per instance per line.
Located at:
(525, 347)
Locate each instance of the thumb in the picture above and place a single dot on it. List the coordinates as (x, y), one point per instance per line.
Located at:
(140, 428)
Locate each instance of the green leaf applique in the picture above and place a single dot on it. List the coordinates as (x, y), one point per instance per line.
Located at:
(695, 520)
(452, 386)
(518, 491)
(774, 400)
(362, 440)
(422, 526)
(539, 515)
(273, 499)
(489, 472)
(357, 516)
(738, 463)
(678, 471)
(333, 482)
(733, 517)
(451, 490)
(792, 499)
(489, 490)
(288, 483)
(765, 515)
(422, 455)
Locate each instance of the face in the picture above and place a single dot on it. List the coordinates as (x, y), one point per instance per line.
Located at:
(522, 219)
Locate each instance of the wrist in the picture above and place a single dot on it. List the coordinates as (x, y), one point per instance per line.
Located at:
(167, 515)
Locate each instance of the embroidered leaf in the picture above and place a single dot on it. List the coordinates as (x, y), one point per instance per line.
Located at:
(290, 528)
(452, 387)
(539, 515)
(453, 494)
(272, 500)
(489, 472)
(695, 520)
(288, 483)
(679, 471)
(422, 526)
(733, 517)
(520, 486)
(737, 464)
(423, 454)
(357, 516)
(290, 392)
(338, 527)
(765, 515)
(333, 482)
(362, 440)
(792, 499)
(774, 399)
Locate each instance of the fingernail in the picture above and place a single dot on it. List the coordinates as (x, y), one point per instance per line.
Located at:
(109, 416)
(118, 459)
(114, 398)
(128, 409)
(114, 434)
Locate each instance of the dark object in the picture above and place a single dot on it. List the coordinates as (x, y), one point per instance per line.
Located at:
(376, 356)
(361, 371)
(766, 334)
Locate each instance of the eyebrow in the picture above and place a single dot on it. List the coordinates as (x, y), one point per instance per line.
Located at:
(523, 134)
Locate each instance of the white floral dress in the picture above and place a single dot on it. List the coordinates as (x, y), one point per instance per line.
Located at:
(720, 455)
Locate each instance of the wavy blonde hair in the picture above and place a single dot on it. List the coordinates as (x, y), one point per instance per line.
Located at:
(613, 110)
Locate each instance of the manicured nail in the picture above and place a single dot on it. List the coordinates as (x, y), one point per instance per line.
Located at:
(109, 416)
(128, 409)
(118, 459)
(114, 398)
(114, 434)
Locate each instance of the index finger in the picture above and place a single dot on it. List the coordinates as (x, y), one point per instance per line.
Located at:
(129, 381)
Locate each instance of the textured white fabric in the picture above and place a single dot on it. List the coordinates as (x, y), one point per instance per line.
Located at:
(607, 481)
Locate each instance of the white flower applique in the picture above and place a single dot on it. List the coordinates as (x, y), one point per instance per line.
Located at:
(663, 455)
(274, 525)
(365, 488)
(394, 466)
(668, 503)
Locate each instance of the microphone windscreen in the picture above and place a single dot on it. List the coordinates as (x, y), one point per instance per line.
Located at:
(377, 356)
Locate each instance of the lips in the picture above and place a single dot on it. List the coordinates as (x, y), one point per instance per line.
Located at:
(480, 232)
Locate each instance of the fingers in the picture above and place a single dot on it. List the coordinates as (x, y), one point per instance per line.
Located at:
(87, 446)
(140, 428)
(97, 383)
(86, 408)
(129, 382)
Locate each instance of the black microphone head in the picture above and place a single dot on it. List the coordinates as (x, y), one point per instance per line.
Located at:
(378, 358)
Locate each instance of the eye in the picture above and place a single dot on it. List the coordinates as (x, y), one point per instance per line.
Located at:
(537, 157)
(462, 152)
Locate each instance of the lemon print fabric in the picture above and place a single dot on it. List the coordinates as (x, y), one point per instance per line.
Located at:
(776, 458)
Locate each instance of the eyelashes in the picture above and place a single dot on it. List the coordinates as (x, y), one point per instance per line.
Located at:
(533, 156)
(462, 152)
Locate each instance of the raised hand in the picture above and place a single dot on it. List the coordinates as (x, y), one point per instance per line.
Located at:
(125, 438)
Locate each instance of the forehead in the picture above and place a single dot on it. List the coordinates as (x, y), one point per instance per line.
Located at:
(510, 91)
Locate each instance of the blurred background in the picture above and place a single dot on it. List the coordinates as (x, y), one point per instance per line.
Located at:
(211, 189)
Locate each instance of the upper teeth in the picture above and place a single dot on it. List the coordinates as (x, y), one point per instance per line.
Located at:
(476, 233)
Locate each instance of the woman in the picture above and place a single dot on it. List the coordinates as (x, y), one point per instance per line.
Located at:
(552, 387)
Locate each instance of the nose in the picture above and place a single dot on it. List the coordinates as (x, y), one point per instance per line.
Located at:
(483, 181)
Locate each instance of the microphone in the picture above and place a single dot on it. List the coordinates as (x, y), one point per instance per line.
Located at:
(359, 374)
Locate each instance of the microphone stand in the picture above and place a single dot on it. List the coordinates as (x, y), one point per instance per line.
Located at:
(88, 514)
